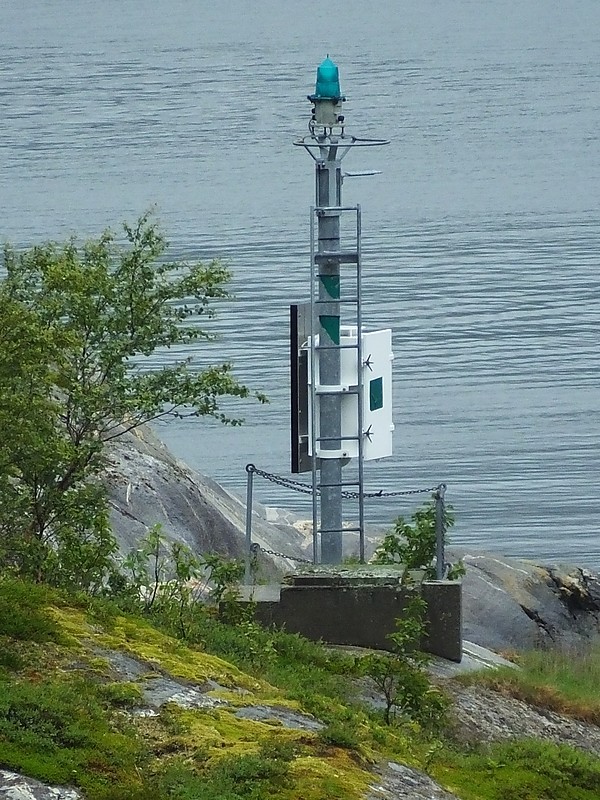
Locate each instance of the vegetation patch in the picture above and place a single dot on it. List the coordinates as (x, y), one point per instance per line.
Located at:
(336, 778)
(564, 681)
(520, 770)
(218, 731)
(22, 612)
(66, 732)
(181, 661)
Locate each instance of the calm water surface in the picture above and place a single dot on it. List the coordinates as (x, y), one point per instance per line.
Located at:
(481, 235)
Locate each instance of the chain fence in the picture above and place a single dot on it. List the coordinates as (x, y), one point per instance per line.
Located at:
(299, 486)
(253, 548)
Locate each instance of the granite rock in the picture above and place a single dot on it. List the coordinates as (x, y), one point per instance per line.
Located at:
(517, 604)
(147, 485)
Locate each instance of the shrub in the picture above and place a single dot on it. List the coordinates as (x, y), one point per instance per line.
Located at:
(22, 613)
(400, 675)
(413, 544)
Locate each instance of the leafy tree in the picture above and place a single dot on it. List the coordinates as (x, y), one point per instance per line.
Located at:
(35, 455)
(91, 338)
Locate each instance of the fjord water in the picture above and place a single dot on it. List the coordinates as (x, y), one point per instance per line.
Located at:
(481, 235)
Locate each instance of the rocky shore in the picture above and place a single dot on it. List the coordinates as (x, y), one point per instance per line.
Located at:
(508, 604)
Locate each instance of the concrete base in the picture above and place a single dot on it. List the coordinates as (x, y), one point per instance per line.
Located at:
(360, 609)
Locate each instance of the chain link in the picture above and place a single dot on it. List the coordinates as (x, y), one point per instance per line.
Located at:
(256, 547)
(298, 486)
(288, 483)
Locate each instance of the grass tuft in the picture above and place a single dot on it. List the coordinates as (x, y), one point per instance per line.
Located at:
(565, 681)
(520, 770)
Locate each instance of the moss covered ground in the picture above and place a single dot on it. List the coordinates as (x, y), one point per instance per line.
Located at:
(67, 717)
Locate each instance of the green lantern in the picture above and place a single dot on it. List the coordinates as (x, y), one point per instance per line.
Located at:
(328, 82)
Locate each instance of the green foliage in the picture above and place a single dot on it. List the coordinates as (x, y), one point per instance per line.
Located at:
(224, 575)
(62, 732)
(400, 675)
(522, 770)
(251, 776)
(72, 727)
(166, 580)
(10, 661)
(22, 614)
(340, 734)
(78, 327)
(122, 694)
(413, 544)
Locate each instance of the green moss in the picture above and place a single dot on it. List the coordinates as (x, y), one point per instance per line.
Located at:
(267, 695)
(61, 731)
(73, 625)
(67, 727)
(219, 731)
(159, 650)
(336, 778)
(122, 694)
(142, 640)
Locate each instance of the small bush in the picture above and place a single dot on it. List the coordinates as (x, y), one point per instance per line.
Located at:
(340, 734)
(9, 659)
(250, 776)
(122, 694)
(22, 613)
(400, 675)
(413, 544)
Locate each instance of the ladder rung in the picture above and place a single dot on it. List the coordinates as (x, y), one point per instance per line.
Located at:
(336, 346)
(339, 530)
(321, 209)
(327, 389)
(337, 485)
(342, 256)
(338, 300)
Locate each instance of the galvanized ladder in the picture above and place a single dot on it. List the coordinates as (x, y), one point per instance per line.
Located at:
(350, 301)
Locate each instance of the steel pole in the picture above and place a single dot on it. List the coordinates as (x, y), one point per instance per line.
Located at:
(328, 196)
(440, 566)
(248, 554)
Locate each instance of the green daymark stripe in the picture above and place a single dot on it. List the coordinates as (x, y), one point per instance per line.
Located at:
(331, 284)
(331, 326)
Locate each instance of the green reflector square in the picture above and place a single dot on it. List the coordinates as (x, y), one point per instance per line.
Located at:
(376, 394)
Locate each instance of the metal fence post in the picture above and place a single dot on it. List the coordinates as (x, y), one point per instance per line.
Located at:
(440, 566)
(248, 555)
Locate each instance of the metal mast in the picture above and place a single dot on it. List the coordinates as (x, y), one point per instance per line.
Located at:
(327, 144)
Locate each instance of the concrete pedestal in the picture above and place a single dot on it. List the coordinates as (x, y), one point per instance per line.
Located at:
(360, 608)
